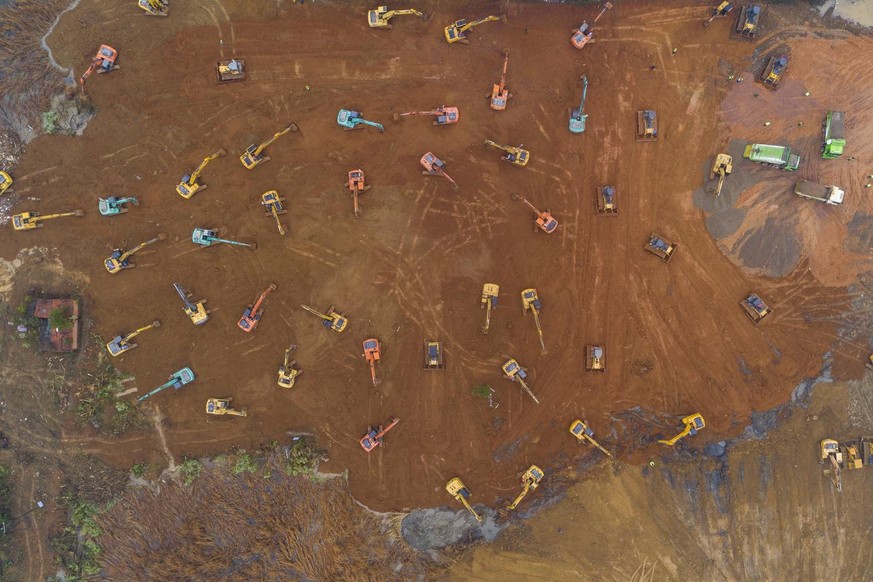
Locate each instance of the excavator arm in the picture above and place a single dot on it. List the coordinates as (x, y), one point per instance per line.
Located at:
(536, 315)
(521, 495)
(475, 23)
(133, 334)
(192, 179)
(257, 151)
(126, 255)
(392, 13)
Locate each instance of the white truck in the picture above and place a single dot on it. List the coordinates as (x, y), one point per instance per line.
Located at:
(827, 194)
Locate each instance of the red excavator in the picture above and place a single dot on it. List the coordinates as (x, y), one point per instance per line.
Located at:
(252, 314)
(103, 62)
(436, 167)
(500, 95)
(444, 115)
(375, 434)
(357, 186)
(544, 220)
(373, 353)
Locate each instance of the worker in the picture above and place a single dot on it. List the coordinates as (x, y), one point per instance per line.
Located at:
(652, 68)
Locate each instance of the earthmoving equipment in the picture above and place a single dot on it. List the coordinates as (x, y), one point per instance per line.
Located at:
(827, 194)
(155, 7)
(755, 308)
(851, 458)
(433, 166)
(357, 185)
(542, 220)
(209, 236)
(189, 186)
(231, 70)
(490, 291)
(457, 31)
(529, 481)
(31, 220)
(647, 125)
(379, 17)
(195, 310)
(459, 491)
(121, 344)
(583, 34)
(833, 130)
(433, 356)
(516, 373)
(120, 259)
(221, 406)
(607, 201)
(723, 166)
(444, 115)
(774, 71)
(252, 314)
(718, 12)
(273, 207)
(373, 354)
(595, 359)
(531, 302)
(693, 424)
(500, 95)
(866, 446)
(350, 120)
(331, 319)
(514, 154)
(660, 247)
(114, 205)
(375, 434)
(288, 372)
(103, 62)
(870, 362)
(830, 453)
(578, 117)
(254, 154)
(747, 22)
(773, 156)
(177, 380)
(5, 182)
(581, 431)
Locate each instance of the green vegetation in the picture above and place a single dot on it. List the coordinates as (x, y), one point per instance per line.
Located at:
(138, 470)
(29, 338)
(50, 121)
(301, 459)
(60, 318)
(190, 469)
(76, 547)
(483, 391)
(244, 464)
(100, 407)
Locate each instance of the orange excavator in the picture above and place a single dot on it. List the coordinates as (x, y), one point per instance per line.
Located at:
(583, 34)
(357, 186)
(444, 115)
(103, 62)
(252, 314)
(500, 95)
(544, 220)
(373, 354)
(436, 167)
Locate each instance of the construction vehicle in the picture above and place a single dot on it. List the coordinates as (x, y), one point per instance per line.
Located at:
(380, 17)
(120, 259)
(114, 205)
(607, 201)
(195, 310)
(444, 115)
(772, 74)
(121, 344)
(254, 154)
(582, 432)
(833, 130)
(231, 70)
(155, 7)
(490, 291)
(830, 453)
(349, 120)
(177, 380)
(516, 155)
(747, 22)
(866, 446)
(376, 434)
(718, 12)
(832, 195)
(288, 372)
(5, 181)
(209, 236)
(331, 319)
(542, 220)
(32, 220)
(357, 186)
(693, 424)
(459, 491)
(595, 359)
(773, 156)
(188, 185)
(512, 371)
(373, 354)
(252, 314)
(660, 247)
(530, 480)
(221, 406)
(500, 95)
(647, 125)
(584, 33)
(530, 301)
(272, 203)
(433, 166)
(723, 166)
(433, 356)
(103, 62)
(578, 117)
(851, 458)
(457, 31)
(755, 308)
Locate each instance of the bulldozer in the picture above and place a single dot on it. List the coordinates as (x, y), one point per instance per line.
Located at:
(177, 380)
(530, 480)
(373, 355)
(433, 356)
(772, 74)
(459, 491)
(272, 203)
(433, 166)
(755, 308)
(251, 316)
(5, 182)
(230, 70)
(207, 237)
(32, 220)
(578, 117)
(660, 247)
(155, 7)
(490, 291)
(103, 62)
(542, 220)
(380, 17)
(607, 201)
(457, 31)
(595, 359)
(357, 186)
(515, 373)
(647, 125)
(582, 432)
(500, 95)
(331, 319)
(113, 205)
(719, 11)
(515, 155)
(747, 22)
(121, 344)
(376, 434)
(195, 310)
(693, 424)
(120, 259)
(287, 371)
(722, 167)
(831, 454)
(443, 115)
(530, 301)
(583, 34)
(254, 154)
(221, 406)
(349, 120)
(189, 186)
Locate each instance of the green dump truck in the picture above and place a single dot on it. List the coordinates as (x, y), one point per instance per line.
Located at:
(776, 156)
(833, 131)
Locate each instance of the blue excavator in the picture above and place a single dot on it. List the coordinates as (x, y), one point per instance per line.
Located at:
(350, 120)
(195, 310)
(578, 116)
(114, 205)
(177, 380)
(208, 237)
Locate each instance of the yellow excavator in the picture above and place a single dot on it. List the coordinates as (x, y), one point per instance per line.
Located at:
(514, 372)
(254, 153)
(530, 481)
(379, 17)
(121, 344)
(31, 220)
(120, 259)
(155, 7)
(189, 186)
(723, 166)
(457, 31)
(331, 319)
(272, 203)
(693, 424)
(221, 406)
(490, 291)
(514, 155)
(531, 302)
(582, 432)
(287, 372)
(830, 452)
(5, 181)
(459, 491)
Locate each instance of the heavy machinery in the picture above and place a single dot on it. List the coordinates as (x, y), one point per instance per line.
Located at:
(272, 203)
(723, 166)
(516, 155)
(5, 181)
(349, 120)
(833, 130)
(500, 95)
(114, 205)
(331, 319)
(433, 166)
(444, 115)
(530, 301)
(155, 7)
(542, 220)
(718, 12)
(851, 457)
(830, 453)
(357, 186)
(490, 291)
(693, 424)
(251, 316)
(647, 125)
(231, 70)
(866, 446)
(773, 156)
(595, 359)
(512, 371)
(584, 33)
(195, 310)
(660, 247)
(832, 195)
(457, 31)
(373, 354)
(209, 236)
(103, 62)
(120, 344)
(380, 17)
(433, 356)
(747, 22)
(254, 154)
(459, 491)
(582, 432)
(32, 220)
(772, 74)
(530, 480)
(578, 117)
(287, 371)
(120, 259)
(189, 186)
(221, 406)
(755, 308)
(376, 434)
(177, 380)
(607, 201)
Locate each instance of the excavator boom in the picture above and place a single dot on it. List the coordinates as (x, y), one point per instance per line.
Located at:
(276, 136)
(539, 330)
(192, 179)
(315, 312)
(124, 256)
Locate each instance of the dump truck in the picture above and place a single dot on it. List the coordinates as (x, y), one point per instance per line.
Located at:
(833, 131)
(775, 156)
(827, 194)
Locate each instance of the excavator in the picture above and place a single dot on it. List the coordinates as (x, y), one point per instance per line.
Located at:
(647, 125)
(516, 155)
(693, 424)
(32, 220)
(209, 236)
(444, 115)
(516, 373)
(331, 319)
(660, 247)
(373, 354)
(273, 207)
(251, 316)
(231, 70)
(529, 481)
(584, 33)
(719, 11)
(288, 372)
(177, 380)
(457, 31)
(196, 310)
(103, 62)
(114, 205)
(376, 434)
(433, 356)
(490, 291)
(755, 308)
(500, 95)
(221, 406)
(459, 491)
(433, 166)
(349, 120)
(607, 201)
(543, 220)
(189, 186)
(254, 154)
(380, 17)
(120, 259)
(747, 22)
(531, 302)
(578, 117)
(581, 431)
(774, 71)
(5, 181)
(155, 7)
(595, 359)
(830, 453)
(722, 167)
(357, 186)
(121, 344)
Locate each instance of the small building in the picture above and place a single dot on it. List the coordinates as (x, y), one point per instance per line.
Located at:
(57, 338)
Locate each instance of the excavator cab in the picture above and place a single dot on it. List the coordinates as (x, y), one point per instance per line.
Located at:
(457, 31)
(376, 434)
(755, 308)
(607, 201)
(288, 372)
(120, 344)
(433, 356)
(595, 359)
(490, 291)
(582, 432)
(32, 220)
(221, 406)
(5, 182)
(103, 62)
(251, 316)
(693, 424)
(515, 155)
(272, 204)
(113, 205)
(380, 17)
(231, 71)
(155, 7)
(500, 95)
(456, 488)
(660, 247)
(373, 354)
(530, 481)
